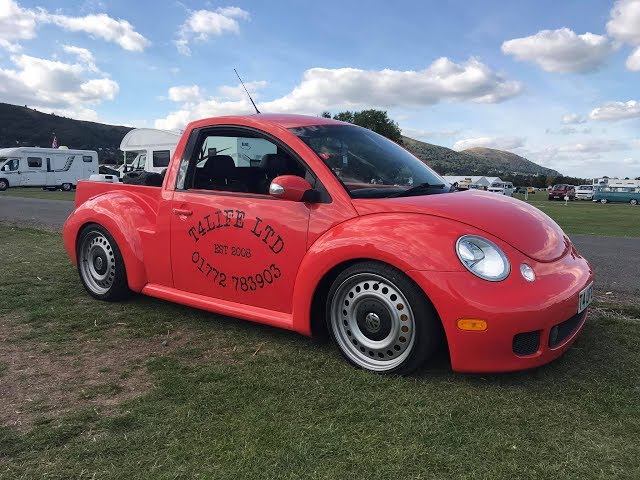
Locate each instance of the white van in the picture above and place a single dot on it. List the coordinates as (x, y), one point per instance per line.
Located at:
(153, 148)
(503, 188)
(584, 192)
(45, 167)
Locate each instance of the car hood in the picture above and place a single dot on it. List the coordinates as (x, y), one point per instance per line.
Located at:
(522, 226)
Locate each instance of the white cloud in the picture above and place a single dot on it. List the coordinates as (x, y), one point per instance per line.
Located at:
(190, 93)
(625, 21)
(500, 143)
(103, 26)
(55, 86)
(624, 25)
(633, 62)
(83, 55)
(327, 89)
(229, 92)
(426, 134)
(561, 50)
(616, 111)
(16, 23)
(572, 119)
(202, 24)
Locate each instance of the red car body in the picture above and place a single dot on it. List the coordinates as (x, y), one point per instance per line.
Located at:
(172, 240)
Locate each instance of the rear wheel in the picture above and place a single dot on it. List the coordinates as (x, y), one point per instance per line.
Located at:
(66, 187)
(101, 265)
(380, 319)
(633, 201)
(603, 200)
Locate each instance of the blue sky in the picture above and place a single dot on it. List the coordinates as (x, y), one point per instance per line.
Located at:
(555, 81)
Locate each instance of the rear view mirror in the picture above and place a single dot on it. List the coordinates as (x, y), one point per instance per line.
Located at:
(290, 187)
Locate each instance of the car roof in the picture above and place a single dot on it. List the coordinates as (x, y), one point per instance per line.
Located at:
(280, 119)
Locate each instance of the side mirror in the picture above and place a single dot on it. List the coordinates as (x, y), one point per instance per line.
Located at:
(290, 187)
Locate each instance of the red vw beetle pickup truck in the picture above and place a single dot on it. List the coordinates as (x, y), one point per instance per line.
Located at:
(307, 223)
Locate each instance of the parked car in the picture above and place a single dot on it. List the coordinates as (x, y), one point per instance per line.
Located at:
(584, 192)
(338, 229)
(617, 194)
(531, 190)
(521, 190)
(558, 192)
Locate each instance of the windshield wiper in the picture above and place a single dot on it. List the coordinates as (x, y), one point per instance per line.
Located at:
(416, 189)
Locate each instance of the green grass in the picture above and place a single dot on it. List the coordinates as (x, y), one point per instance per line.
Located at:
(231, 399)
(38, 193)
(586, 217)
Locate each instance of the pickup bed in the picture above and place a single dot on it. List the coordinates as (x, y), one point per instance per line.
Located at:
(316, 225)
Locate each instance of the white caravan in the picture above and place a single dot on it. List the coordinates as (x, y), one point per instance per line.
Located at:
(45, 167)
(153, 148)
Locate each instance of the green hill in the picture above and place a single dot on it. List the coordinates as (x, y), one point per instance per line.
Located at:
(474, 161)
(22, 126)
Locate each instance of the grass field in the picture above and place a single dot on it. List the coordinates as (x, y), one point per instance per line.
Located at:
(586, 217)
(148, 389)
(39, 193)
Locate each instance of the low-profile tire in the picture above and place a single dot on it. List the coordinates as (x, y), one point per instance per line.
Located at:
(66, 187)
(633, 201)
(100, 264)
(603, 200)
(4, 184)
(381, 320)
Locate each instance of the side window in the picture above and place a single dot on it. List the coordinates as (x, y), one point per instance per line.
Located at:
(13, 164)
(239, 163)
(161, 158)
(34, 162)
(87, 158)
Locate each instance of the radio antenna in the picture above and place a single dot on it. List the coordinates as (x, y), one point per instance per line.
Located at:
(248, 94)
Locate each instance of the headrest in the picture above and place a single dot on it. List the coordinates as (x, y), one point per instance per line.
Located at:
(273, 162)
(219, 165)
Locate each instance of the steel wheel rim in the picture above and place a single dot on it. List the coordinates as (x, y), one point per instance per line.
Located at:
(97, 263)
(634, 201)
(366, 307)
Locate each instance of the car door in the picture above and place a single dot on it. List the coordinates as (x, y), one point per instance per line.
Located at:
(35, 174)
(11, 171)
(230, 239)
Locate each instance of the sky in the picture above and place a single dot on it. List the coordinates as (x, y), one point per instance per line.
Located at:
(555, 81)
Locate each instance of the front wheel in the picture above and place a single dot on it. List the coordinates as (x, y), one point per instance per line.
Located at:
(100, 264)
(603, 200)
(633, 201)
(66, 187)
(380, 319)
(3, 184)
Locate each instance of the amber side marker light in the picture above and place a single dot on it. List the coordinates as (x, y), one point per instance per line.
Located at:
(472, 324)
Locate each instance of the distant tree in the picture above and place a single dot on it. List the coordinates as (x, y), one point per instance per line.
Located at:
(325, 114)
(376, 120)
(637, 178)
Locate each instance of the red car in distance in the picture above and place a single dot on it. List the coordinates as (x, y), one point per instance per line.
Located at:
(311, 224)
(558, 192)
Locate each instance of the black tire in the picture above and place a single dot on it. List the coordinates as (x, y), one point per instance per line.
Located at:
(4, 184)
(381, 320)
(633, 201)
(66, 187)
(603, 200)
(100, 264)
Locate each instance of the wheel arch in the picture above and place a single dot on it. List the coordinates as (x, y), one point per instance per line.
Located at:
(341, 247)
(123, 225)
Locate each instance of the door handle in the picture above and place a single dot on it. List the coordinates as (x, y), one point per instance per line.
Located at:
(182, 211)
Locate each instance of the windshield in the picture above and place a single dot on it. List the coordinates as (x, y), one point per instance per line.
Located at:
(369, 165)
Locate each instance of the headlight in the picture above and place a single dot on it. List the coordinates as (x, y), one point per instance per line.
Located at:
(483, 258)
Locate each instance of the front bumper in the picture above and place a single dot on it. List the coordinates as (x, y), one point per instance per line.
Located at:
(529, 323)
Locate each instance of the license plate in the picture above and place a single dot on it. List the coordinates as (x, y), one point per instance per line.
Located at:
(585, 297)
